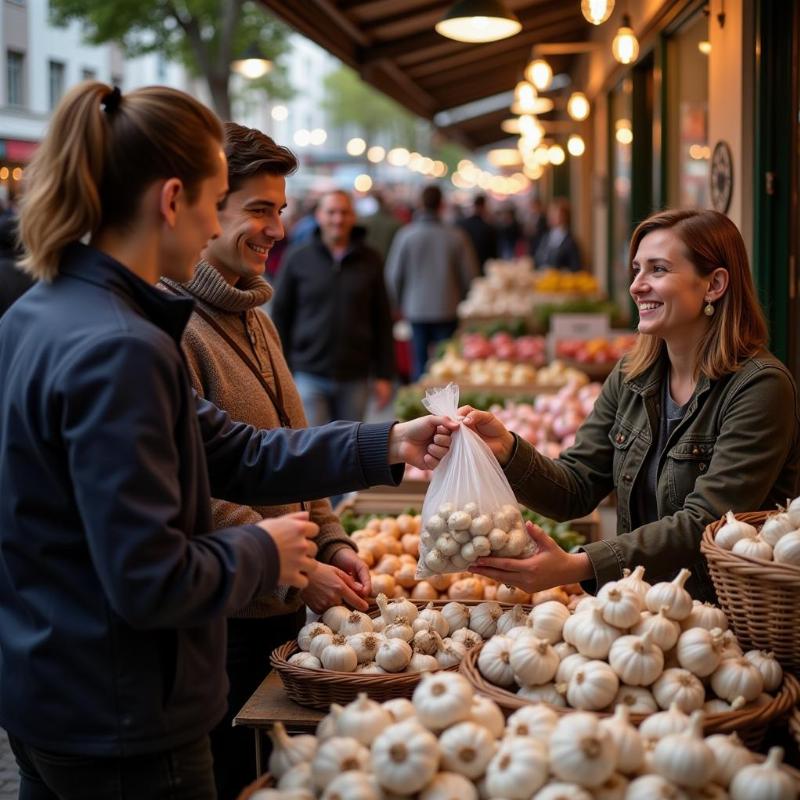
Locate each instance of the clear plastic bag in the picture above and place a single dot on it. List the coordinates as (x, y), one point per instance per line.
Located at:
(469, 509)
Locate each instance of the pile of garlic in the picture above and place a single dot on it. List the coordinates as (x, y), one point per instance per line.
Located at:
(455, 537)
(648, 647)
(449, 743)
(777, 540)
(402, 638)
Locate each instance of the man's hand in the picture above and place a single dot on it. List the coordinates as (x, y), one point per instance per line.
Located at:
(292, 534)
(491, 430)
(331, 586)
(348, 561)
(422, 442)
(383, 390)
(549, 566)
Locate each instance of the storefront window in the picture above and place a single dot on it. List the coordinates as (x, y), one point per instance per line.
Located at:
(688, 150)
(621, 138)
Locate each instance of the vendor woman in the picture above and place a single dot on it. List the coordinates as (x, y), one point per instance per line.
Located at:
(698, 419)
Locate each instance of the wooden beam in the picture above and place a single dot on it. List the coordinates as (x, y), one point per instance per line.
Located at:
(422, 18)
(566, 48)
(328, 8)
(390, 76)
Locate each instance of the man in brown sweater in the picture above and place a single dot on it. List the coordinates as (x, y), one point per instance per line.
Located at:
(235, 360)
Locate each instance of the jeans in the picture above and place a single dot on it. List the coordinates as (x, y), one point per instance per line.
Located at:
(184, 773)
(325, 399)
(423, 335)
(250, 642)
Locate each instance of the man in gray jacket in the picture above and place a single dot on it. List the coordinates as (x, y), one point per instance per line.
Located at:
(428, 272)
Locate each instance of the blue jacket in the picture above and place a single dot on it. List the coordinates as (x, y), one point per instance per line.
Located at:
(113, 590)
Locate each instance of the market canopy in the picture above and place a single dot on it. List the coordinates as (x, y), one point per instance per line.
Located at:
(465, 89)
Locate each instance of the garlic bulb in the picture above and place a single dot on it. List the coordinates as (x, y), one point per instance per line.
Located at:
(730, 757)
(494, 661)
(717, 706)
(512, 618)
(621, 607)
(730, 646)
(590, 633)
(581, 750)
(334, 617)
(488, 714)
(700, 651)
(339, 656)
(405, 757)
(352, 785)
(766, 663)
(635, 582)
(457, 616)
(733, 530)
(335, 755)
(399, 629)
(684, 758)
(538, 721)
(483, 618)
(677, 600)
(393, 655)
(517, 769)
(467, 637)
(326, 727)
(467, 748)
(657, 726)
(552, 693)
(592, 687)
(705, 615)
(636, 660)
(308, 632)
(442, 699)
(399, 709)
(653, 787)
(562, 791)
(422, 663)
(765, 781)
(663, 631)
(564, 650)
(370, 668)
(421, 624)
(448, 653)
(438, 622)
(297, 777)
(305, 660)
(615, 788)
(363, 719)
(288, 751)
(449, 786)
(737, 677)
(547, 620)
(637, 699)
(424, 642)
(681, 687)
(753, 548)
(533, 661)
(392, 609)
(569, 666)
(630, 750)
(787, 550)
(365, 645)
(319, 643)
(775, 528)
(587, 603)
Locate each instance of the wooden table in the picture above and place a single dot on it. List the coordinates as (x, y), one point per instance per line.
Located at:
(268, 705)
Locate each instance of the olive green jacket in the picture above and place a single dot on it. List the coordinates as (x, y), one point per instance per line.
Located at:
(737, 447)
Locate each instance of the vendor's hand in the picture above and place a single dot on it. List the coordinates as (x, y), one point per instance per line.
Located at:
(292, 534)
(422, 442)
(331, 586)
(549, 566)
(491, 430)
(382, 389)
(351, 563)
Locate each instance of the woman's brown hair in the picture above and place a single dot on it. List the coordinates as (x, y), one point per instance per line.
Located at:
(101, 152)
(737, 330)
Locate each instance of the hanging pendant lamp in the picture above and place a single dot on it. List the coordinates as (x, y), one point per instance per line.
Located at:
(478, 21)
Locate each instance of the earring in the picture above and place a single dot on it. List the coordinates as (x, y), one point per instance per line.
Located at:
(709, 309)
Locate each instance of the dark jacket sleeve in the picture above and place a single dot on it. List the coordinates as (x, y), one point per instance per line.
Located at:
(118, 413)
(383, 341)
(268, 467)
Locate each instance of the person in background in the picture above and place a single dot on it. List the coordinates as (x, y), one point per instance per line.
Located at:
(306, 225)
(428, 273)
(114, 587)
(380, 226)
(332, 313)
(481, 232)
(698, 419)
(558, 248)
(509, 231)
(535, 228)
(13, 281)
(235, 360)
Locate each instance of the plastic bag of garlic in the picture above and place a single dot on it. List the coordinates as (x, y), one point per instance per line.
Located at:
(469, 509)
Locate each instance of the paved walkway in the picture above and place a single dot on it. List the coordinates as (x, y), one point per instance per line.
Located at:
(9, 777)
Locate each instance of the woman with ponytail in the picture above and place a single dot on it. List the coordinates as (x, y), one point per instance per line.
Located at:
(113, 586)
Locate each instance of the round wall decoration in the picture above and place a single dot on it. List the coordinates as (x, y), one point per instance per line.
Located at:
(721, 177)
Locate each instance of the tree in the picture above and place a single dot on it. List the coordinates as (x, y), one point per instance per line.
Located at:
(204, 35)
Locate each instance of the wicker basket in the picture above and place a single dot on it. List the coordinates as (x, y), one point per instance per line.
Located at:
(751, 724)
(317, 688)
(760, 598)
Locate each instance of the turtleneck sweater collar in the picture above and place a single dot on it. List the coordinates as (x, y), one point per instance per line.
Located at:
(210, 287)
